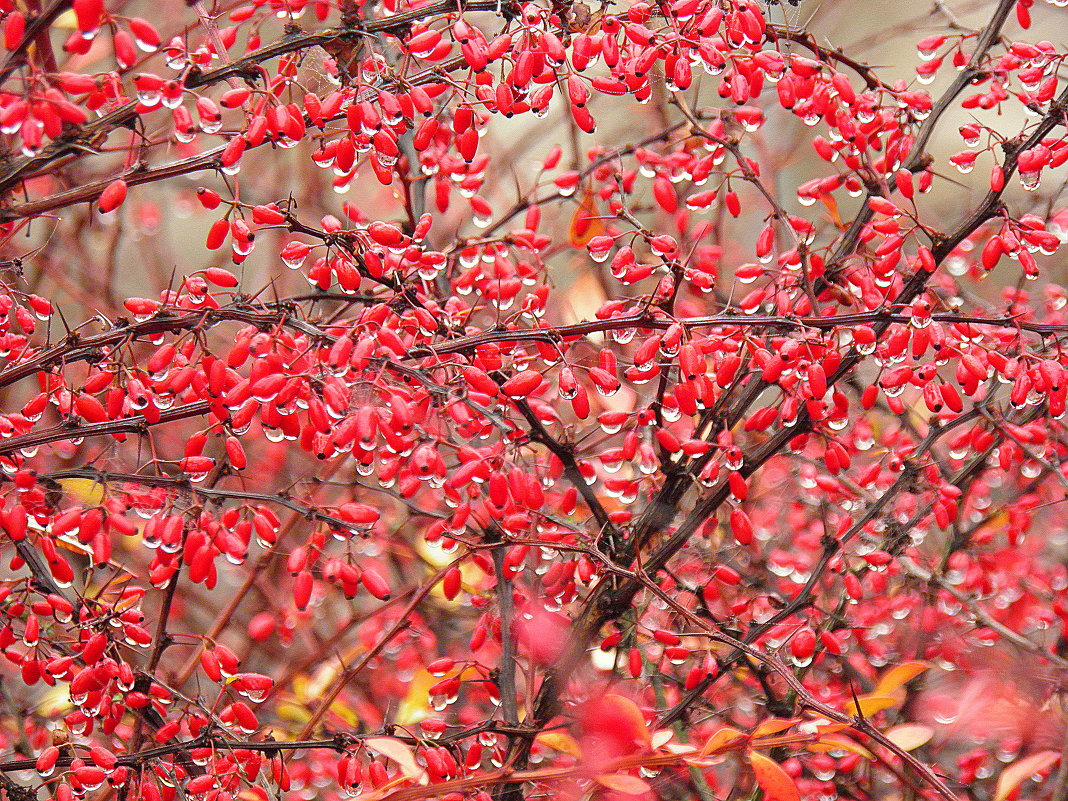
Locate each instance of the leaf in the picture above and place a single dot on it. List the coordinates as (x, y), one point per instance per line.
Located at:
(560, 741)
(54, 701)
(999, 521)
(85, 490)
(307, 690)
(721, 739)
(585, 222)
(839, 742)
(899, 676)
(67, 20)
(773, 726)
(661, 738)
(69, 543)
(832, 208)
(868, 705)
(583, 297)
(1022, 770)
(830, 727)
(623, 783)
(292, 711)
(910, 736)
(629, 714)
(415, 705)
(680, 748)
(399, 753)
(773, 780)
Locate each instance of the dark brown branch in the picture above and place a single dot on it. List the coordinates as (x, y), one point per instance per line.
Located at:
(134, 424)
(213, 494)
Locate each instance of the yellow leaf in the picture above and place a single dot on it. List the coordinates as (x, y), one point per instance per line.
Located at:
(54, 701)
(84, 490)
(311, 688)
(471, 576)
(308, 690)
(680, 748)
(773, 780)
(345, 712)
(839, 742)
(68, 20)
(661, 738)
(721, 739)
(899, 676)
(432, 553)
(292, 711)
(299, 712)
(623, 783)
(868, 705)
(909, 736)
(561, 741)
(773, 726)
(416, 704)
(399, 753)
(1022, 770)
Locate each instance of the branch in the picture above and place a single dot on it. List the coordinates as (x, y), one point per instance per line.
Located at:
(183, 485)
(135, 424)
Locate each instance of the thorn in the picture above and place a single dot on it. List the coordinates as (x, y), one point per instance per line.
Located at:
(856, 703)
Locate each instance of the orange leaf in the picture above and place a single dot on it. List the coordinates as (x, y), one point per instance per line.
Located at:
(721, 739)
(773, 780)
(1021, 770)
(773, 726)
(832, 208)
(585, 222)
(899, 676)
(629, 712)
(623, 783)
